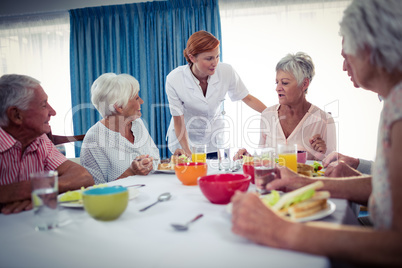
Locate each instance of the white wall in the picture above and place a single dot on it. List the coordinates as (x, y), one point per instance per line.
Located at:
(17, 7)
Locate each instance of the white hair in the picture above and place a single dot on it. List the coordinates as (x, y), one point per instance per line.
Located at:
(15, 90)
(376, 25)
(300, 65)
(111, 89)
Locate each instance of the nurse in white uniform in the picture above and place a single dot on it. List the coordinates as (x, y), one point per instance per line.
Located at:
(196, 92)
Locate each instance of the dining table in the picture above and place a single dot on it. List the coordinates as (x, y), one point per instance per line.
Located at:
(147, 239)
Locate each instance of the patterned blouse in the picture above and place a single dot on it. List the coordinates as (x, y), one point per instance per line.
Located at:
(380, 202)
(315, 121)
(107, 154)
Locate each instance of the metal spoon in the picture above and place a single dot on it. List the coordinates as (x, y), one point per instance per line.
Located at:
(134, 185)
(162, 198)
(184, 227)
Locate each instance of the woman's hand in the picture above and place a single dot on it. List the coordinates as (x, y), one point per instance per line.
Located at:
(240, 153)
(180, 152)
(318, 144)
(142, 165)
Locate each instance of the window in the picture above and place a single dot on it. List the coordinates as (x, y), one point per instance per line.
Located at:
(257, 34)
(38, 46)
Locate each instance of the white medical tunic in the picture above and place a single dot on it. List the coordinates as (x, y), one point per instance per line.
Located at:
(201, 114)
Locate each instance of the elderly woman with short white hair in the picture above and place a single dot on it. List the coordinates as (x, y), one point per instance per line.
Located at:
(295, 120)
(119, 145)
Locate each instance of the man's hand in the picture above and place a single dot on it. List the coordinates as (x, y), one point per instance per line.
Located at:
(16, 207)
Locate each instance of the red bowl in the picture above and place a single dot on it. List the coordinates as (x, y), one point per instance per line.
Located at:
(219, 188)
(248, 168)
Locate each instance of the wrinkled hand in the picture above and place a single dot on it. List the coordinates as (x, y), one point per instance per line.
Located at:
(341, 169)
(287, 180)
(318, 144)
(240, 153)
(335, 156)
(142, 165)
(255, 221)
(17, 207)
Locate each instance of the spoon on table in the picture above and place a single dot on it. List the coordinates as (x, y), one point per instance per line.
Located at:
(162, 198)
(184, 227)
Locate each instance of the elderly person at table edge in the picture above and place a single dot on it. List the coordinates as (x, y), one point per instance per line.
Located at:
(118, 145)
(294, 120)
(24, 146)
(339, 165)
(373, 49)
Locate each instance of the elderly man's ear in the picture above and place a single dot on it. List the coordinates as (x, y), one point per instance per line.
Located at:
(14, 115)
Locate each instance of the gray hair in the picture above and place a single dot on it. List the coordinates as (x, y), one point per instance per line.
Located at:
(300, 65)
(111, 89)
(15, 90)
(377, 25)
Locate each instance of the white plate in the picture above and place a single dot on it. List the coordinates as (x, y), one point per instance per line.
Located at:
(165, 171)
(319, 215)
(132, 193)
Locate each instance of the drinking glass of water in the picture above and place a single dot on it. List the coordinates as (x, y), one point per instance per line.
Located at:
(44, 199)
(264, 168)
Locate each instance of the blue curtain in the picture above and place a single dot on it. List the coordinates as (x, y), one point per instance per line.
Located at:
(145, 40)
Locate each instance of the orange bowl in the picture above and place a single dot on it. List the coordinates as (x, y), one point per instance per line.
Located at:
(188, 173)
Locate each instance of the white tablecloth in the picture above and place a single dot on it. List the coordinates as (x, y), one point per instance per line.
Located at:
(146, 239)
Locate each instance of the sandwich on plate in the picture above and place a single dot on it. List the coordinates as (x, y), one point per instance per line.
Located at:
(299, 203)
(314, 170)
(174, 160)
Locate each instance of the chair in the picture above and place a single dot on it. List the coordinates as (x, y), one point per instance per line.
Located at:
(56, 139)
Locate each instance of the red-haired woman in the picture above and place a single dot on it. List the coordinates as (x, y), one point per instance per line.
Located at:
(196, 91)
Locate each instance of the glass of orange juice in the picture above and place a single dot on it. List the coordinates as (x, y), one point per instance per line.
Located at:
(199, 153)
(287, 156)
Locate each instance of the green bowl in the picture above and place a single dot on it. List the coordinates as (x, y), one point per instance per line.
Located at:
(107, 203)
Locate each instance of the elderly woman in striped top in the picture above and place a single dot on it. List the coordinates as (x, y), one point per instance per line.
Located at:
(119, 145)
